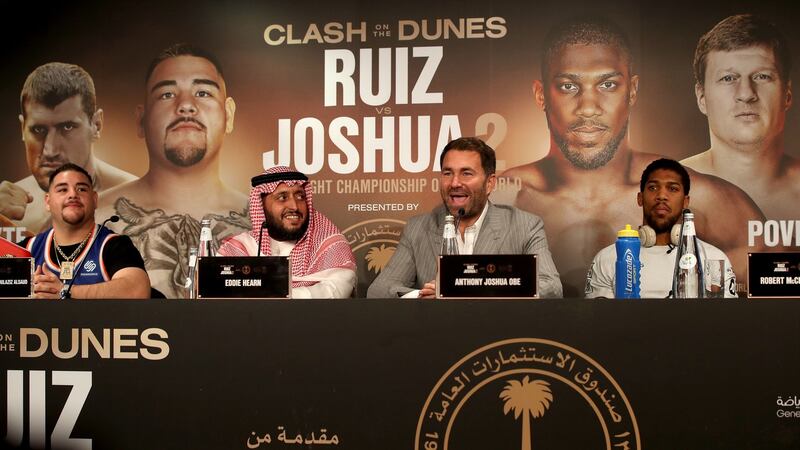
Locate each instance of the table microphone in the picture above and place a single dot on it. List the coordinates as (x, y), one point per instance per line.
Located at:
(261, 235)
(461, 213)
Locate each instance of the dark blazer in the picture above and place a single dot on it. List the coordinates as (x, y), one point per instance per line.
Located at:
(505, 230)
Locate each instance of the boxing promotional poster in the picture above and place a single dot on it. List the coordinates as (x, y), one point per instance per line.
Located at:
(362, 98)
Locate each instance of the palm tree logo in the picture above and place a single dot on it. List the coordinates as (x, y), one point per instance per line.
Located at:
(378, 257)
(526, 398)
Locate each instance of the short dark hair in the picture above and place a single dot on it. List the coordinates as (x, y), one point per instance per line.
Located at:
(52, 83)
(666, 164)
(69, 167)
(183, 49)
(584, 31)
(473, 144)
(742, 31)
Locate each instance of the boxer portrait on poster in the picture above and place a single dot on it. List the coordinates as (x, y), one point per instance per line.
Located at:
(742, 69)
(587, 89)
(184, 118)
(60, 123)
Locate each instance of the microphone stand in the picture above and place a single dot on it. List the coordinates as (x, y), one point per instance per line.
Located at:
(261, 235)
(460, 214)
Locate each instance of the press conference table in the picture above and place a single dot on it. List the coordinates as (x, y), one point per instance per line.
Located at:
(397, 374)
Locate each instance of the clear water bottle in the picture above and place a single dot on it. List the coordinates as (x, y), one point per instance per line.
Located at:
(190, 285)
(626, 279)
(449, 241)
(206, 246)
(688, 277)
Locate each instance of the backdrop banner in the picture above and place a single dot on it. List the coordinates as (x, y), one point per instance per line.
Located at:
(363, 97)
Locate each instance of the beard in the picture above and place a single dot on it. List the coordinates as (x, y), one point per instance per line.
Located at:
(73, 219)
(662, 225)
(185, 156)
(473, 208)
(185, 149)
(278, 232)
(579, 159)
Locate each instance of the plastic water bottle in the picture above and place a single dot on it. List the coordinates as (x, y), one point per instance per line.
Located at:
(688, 276)
(627, 283)
(449, 242)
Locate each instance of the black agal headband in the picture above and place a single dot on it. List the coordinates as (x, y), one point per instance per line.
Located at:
(277, 176)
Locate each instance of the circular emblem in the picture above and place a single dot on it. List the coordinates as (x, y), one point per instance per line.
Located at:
(533, 387)
(373, 242)
(246, 270)
(687, 261)
(491, 268)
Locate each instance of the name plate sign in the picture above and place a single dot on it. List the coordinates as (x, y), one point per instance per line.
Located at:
(773, 275)
(487, 276)
(16, 277)
(243, 277)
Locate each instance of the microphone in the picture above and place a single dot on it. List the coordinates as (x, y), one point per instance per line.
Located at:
(461, 213)
(65, 293)
(261, 235)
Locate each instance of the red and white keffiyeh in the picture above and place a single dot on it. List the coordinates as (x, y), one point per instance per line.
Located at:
(321, 247)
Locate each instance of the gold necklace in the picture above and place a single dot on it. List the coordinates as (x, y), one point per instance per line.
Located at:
(68, 266)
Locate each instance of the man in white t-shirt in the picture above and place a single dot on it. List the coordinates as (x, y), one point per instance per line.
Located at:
(664, 194)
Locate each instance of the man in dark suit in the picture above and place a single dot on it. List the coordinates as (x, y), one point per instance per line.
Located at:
(467, 179)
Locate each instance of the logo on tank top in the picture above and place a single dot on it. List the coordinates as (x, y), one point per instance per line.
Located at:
(89, 265)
